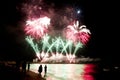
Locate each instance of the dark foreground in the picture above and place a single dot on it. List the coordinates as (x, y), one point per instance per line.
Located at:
(11, 73)
(103, 72)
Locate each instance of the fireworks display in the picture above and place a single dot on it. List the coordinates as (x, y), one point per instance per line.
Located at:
(67, 40)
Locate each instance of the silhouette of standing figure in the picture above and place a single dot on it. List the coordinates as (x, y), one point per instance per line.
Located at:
(45, 69)
(28, 66)
(24, 66)
(40, 69)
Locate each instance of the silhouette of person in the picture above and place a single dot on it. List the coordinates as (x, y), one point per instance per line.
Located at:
(28, 66)
(24, 66)
(45, 69)
(40, 69)
(18, 65)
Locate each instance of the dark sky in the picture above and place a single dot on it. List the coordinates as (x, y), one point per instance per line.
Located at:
(99, 16)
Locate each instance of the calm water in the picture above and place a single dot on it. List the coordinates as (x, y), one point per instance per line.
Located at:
(78, 72)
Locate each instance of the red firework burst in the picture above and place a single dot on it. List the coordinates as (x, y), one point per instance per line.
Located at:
(37, 27)
(76, 34)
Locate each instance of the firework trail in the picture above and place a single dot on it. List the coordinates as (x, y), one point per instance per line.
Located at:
(33, 45)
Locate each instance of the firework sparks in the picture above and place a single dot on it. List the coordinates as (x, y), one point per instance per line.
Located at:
(37, 28)
(76, 34)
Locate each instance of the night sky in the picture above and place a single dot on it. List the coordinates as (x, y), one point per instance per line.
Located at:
(99, 16)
